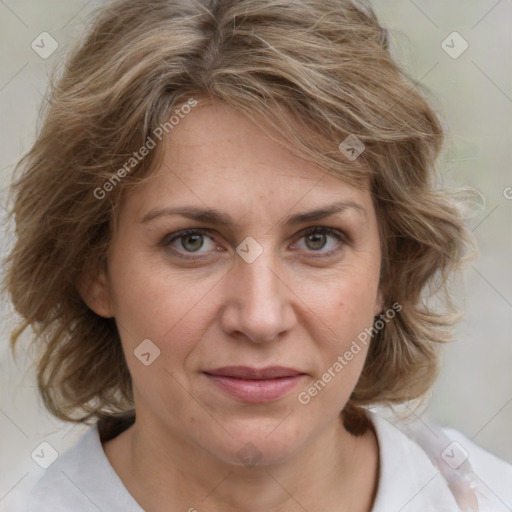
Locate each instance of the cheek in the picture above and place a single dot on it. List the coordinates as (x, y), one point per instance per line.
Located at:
(171, 309)
(346, 313)
(150, 301)
(346, 302)
(343, 315)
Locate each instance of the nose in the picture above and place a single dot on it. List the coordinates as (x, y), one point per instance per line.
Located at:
(258, 304)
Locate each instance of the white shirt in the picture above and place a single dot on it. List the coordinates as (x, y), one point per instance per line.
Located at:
(412, 478)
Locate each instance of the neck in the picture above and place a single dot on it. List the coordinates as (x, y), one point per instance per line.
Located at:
(336, 471)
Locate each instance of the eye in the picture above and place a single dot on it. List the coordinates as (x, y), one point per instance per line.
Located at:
(189, 241)
(320, 239)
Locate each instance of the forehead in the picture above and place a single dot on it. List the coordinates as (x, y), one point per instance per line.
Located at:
(217, 157)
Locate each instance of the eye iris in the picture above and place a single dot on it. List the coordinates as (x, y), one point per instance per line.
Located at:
(316, 241)
(192, 242)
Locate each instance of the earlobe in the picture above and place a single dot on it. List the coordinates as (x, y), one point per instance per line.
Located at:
(95, 292)
(379, 303)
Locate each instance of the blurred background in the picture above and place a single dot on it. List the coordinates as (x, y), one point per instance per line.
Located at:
(461, 52)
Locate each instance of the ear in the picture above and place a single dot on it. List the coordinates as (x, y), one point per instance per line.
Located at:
(379, 302)
(95, 290)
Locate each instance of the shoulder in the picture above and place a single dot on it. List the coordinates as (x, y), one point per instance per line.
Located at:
(428, 468)
(489, 475)
(81, 480)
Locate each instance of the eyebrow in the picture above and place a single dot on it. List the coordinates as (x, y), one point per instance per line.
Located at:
(213, 216)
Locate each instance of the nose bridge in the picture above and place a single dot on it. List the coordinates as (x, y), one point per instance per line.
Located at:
(262, 285)
(258, 303)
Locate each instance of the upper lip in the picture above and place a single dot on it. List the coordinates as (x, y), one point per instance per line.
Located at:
(246, 372)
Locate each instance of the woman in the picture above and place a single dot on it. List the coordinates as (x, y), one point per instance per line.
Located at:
(227, 232)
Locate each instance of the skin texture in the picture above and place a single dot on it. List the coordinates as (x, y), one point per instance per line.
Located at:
(300, 304)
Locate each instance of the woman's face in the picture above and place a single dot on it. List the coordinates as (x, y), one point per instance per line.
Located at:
(271, 263)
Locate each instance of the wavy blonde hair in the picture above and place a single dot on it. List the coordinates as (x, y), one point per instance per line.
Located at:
(311, 72)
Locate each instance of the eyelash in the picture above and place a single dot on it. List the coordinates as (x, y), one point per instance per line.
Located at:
(339, 235)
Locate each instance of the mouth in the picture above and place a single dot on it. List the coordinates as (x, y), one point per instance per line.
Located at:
(255, 385)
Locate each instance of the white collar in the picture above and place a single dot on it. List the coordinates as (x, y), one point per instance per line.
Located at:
(83, 478)
(408, 481)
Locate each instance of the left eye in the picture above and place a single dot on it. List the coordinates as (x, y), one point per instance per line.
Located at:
(320, 240)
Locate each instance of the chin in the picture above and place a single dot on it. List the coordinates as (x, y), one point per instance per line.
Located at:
(257, 445)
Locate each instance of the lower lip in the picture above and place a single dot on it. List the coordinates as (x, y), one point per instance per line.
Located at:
(257, 391)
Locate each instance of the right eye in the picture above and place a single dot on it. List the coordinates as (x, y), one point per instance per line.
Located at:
(190, 241)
